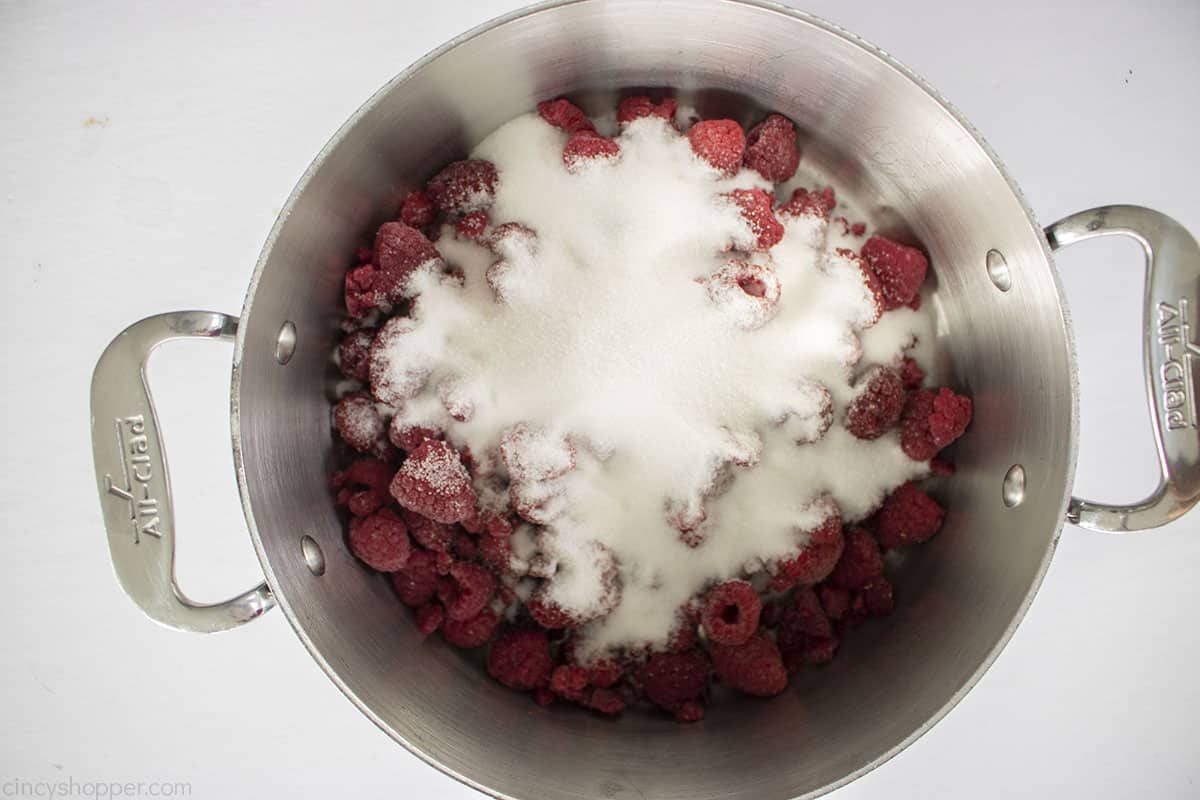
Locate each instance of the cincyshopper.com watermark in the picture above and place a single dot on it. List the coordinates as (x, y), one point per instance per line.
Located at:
(70, 787)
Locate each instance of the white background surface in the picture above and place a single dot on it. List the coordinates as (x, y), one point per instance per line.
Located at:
(204, 115)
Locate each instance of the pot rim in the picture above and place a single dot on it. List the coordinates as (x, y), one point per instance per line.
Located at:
(536, 8)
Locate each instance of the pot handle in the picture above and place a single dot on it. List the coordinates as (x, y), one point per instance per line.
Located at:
(131, 473)
(1172, 341)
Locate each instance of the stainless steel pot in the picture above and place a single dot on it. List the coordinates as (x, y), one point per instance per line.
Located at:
(1003, 334)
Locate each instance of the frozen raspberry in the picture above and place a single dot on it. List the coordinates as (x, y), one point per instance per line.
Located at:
(878, 404)
(818, 556)
(604, 673)
(471, 226)
(911, 373)
(363, 486)
(900, 269)
(473, 632)
(400, 250)
(845, 259)
(464, 547)
(639, 106)
(565, 115)
(549, 614)
(467, 591)
(606, 701)
(516, 245)
(429, 618)
(433, 482)
(543, 696)
(497, 551)
(685, 635)
(569, 682)
(731, 612)
(417, 210)
(395, 375)
(800, 622)
(771, 609)
(587, 146)
(520, 659)
(539, 502)
(820, 650)
(858, 229)
(670, 679)
(354, 354)
(409, 437)
(749, 293)
(443, 562)
(932, 421)
(815, 203)
(771, 149)
(360, 292)
(756, 208)
(908, 516)
(878, 598)
(835, 601)
(941, 467)
(358, 423)
(417, 581)
(861, 562)
(380, 541)
(720, 142)
(533, 454)
(689, 711)
(463, 187)
(754, 668)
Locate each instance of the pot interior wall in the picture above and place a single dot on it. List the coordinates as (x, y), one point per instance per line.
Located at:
(875, 131)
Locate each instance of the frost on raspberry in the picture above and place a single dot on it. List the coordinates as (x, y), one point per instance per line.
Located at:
(719, 142)
(467, 590)
(407, 436)
(861, 562)
(363, 486)
(471, 633)
(908, 516)
(360, 293)
(354, 354)
(533, 454)
(471, 226)
(458, 397)
(807, 414)
(569, 682)
(565, 115)
(686, 510)
(763, 230)
(380, 541)
(416, 581)
(511, 275)
(429, 534)
(520, 659)
(433, 482)
(639, 106)
(463, 187)
(853, 274)
(672, 679)
(417, 210)
(754, 668)
(582, 582)
(812, 203)
(900, 269)
(771, 149)
(730, 613)
(932, 420)
(539, 502)
(877, 405)
(400, 251)
(820, 552)
(358, 422)
(747, 292)
(588, 147)
(398, 368)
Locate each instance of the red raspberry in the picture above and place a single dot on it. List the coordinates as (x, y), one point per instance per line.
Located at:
(359, 424)
(549, 614)
(756, 208)
(915, 303)
(771, 149)
(429, 618)
(569, 682)
(685, 635)
(900, 269)
(585, 146)
(820, 651)
(861, 562)
(354, 354)
(858, 229)
(429, 534)
(878, 598)
(877, 407)
(443, 562)
(417, 581)
(755, 667)
(818, 556)
(565, 115)
(417, 210)
(606, 701)
(800, 622)
(395, 377)
(748, 292)
(471, 226)
(543, 696)
(363, 486)
(720, 142)
(810, 203)
(433, 482)
(533, 454)
(941, 467)
(731, 612)
(496, 551)
(604, 673)
(670, 679)
(689, 711)
(908, 516)
(360, 293)
(520, 659)
(465, 547)
(473, 632)
(463, 187)
(409, 437)
(400, 250)
(380, 541)
(911, 373)
(834, 600)
(932, 421)
(467, 592)
(639, 106)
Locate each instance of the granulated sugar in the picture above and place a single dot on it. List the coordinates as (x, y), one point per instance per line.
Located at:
(635, 400)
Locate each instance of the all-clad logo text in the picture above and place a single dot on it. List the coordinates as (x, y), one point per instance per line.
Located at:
(136, 470)
(1175, 374)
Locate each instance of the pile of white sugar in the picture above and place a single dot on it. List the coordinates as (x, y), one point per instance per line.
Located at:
(609, 339)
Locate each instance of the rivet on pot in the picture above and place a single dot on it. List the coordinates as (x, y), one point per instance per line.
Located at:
(1013, 491)
(314, 557)
(285, 342)
(997, 269)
